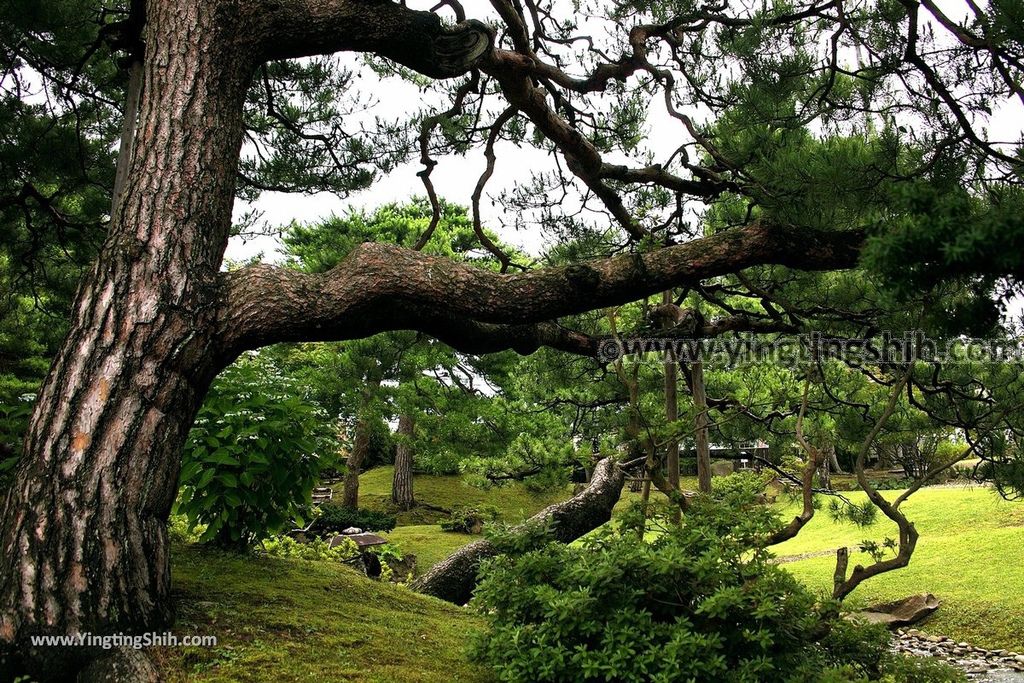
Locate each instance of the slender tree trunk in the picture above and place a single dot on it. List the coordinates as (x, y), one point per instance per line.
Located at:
(401, 484)
(83, 544)
(700, 404)
(671, 411)
(833, 459)
(354, 464)
(360, 446)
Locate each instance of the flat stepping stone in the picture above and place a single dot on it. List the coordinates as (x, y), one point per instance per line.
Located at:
(363, 540)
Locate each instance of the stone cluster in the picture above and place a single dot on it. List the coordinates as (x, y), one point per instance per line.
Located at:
(974, 660)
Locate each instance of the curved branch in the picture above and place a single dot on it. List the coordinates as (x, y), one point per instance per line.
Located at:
(455, 578)
(381, 287)
(302, 28)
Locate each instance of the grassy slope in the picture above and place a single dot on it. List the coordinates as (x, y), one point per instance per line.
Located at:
(418, 532)
(284, 620)
(290, 620)
(514, 502)
(969, 555)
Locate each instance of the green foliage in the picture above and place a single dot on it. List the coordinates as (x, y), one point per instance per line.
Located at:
(398, 372)
(316, 549)
(946, 232)
(13, 421)
(699, 602)
(741, 485)
(179, 530)
(253, 456)
(381, 449)
(878, 551)
(862, 514)
(469, 519)
(336, 518)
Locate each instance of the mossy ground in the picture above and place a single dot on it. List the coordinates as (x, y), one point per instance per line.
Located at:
(291, 620)
(418, 531)
(280, 620)
(514, 501)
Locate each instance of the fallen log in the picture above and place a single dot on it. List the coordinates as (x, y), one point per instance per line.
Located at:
(454, 578)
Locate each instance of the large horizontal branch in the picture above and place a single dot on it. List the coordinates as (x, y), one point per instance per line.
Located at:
(301, 28)
(382, 287)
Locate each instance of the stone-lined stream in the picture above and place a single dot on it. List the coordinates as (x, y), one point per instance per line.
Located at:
(984, 666)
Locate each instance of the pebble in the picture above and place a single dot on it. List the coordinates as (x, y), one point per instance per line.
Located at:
(975, 661)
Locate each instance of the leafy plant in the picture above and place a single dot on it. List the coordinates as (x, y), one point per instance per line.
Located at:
(180, 531)
(317, 549)
(877, 550)
(746, 484)
(13, 420)
(336, 518)
(253, 456)
(469, 519)
(698, 602)
(861, 514)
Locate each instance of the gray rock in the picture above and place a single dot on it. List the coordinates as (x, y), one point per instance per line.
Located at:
(722, 468)
(909, 610)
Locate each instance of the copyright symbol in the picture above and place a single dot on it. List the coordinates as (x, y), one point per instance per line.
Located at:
(608, 351)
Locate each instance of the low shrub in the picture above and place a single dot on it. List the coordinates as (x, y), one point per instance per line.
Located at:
(699, 602)
(334, 519)
(253, 456)
(469, 519)
(745, 483)
(317, 549)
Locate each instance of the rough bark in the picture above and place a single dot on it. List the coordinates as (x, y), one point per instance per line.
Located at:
(82, 530)
(383, 287)
(121, 666)
(418, 40)
(401, 483)
(83, 534)
(455, 578)
(354, 464)
(83, 540)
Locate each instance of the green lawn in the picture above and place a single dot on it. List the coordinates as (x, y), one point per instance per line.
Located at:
(282, 620)
(290, 620)
(416, 534)
(428, 543)
(970, 555)
(514, 501)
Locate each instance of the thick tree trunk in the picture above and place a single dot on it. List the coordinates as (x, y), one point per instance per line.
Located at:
(401, 484)
(455, 578)
(83, 544)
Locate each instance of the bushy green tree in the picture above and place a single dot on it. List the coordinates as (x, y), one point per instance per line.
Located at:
(253, 456)
(700, 601)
